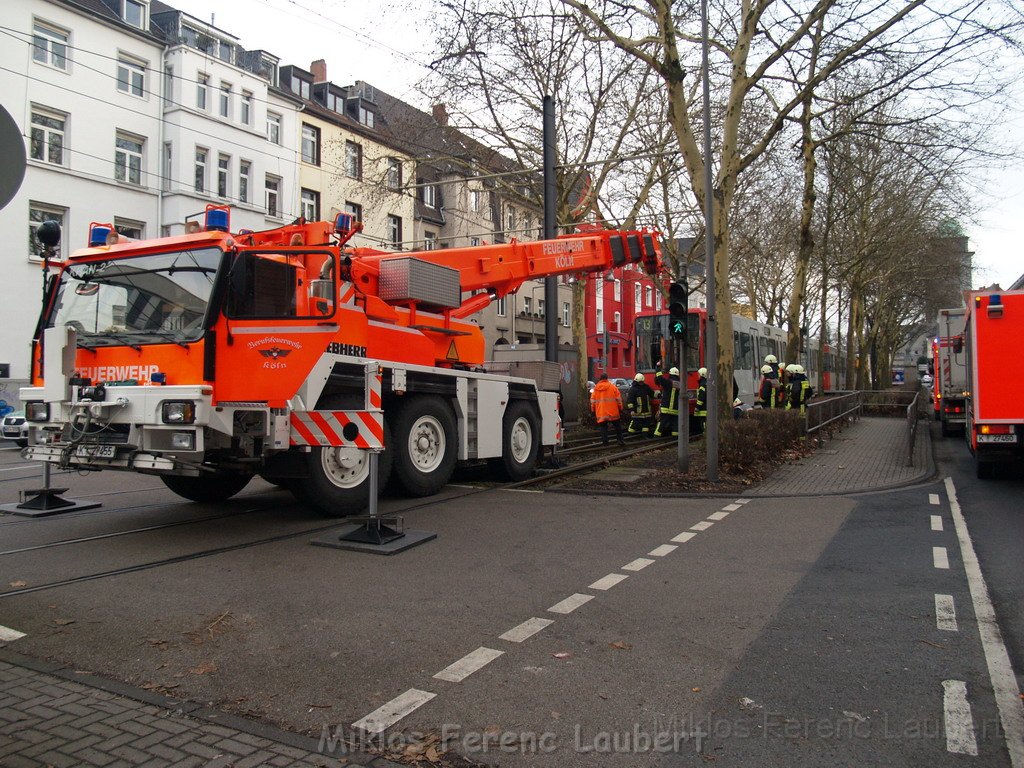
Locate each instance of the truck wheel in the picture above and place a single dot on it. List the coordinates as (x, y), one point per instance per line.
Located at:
(338, 484)
(520, 442)
(207, 488)
(425, 445)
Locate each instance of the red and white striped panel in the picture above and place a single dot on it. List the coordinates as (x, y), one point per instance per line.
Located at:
(373, 389)
(327, 428)
(347, 294)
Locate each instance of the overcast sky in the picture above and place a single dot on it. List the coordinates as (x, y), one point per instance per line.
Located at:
(385, 44)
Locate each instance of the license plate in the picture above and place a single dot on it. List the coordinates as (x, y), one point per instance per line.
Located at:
(95, 451)
(997, 438)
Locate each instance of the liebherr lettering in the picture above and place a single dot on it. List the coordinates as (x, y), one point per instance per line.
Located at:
(353, 350)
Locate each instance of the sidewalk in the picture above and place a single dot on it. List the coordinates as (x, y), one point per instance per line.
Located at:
(50, 720)
(868, 455)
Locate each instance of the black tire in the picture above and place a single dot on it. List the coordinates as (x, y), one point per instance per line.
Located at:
(338, 482)
(21, 443)
(520, 443)
(425, 445)
(207, 488)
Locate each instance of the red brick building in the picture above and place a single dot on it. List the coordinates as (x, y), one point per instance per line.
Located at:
(612, 301)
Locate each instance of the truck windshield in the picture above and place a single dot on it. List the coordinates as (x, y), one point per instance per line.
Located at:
(138, 300)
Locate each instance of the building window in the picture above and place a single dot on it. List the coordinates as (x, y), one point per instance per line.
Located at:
(429, 241)
(246, 108)
(300, 86)
(428, 193)
(131, 77)
(617, 290)
(168, 84)
(129, 228)
(50, 46)
(636, 296)
(226, 52)
(657, 302)
(47, 137)
(540, 307)
(474, 241)
(501, 307)
(223, 168)
(37, 214)
(395, 231)
(202, 89)
(617, 322)
(273, 128)
(649, 296)
(201, 169)
(527, 305)
(310, 144)
(135, 13)
(355, 209)
(225, 99)
(366, 117)
(128, 158)
(566, 314)
(510, 219)
(244, 175)
(167, 167)
(273, 189)
(310, 205)
(394, 173)
(353, 160)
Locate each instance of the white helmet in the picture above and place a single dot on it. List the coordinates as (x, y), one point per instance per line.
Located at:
(702, 372)
(771, 359)
(673, 371)
(737, 403)
(638, 377)
(796, 368)
(766, 368)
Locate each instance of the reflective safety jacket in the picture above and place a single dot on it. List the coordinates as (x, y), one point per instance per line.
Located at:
(701, 405)
(638, 399)
(799, 393)
(605, 401)
(769, 395)
(669, 392)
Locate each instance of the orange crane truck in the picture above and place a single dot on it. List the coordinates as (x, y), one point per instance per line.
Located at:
(210, 357)
(994, 326)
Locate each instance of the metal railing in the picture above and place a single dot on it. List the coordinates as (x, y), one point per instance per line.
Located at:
(911, 429)
(834, 406)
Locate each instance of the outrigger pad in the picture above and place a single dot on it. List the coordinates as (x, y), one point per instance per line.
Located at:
(383, 535)
(47, 501)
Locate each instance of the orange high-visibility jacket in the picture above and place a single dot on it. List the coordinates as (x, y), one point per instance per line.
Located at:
(606, 401)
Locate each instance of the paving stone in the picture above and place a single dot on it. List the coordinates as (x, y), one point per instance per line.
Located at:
(58, 759)
(17, 761)
(131, 753)
(162, 750)
(189, 762)
(202, 750)
(237, 747)
(94, 757)
(255, 760)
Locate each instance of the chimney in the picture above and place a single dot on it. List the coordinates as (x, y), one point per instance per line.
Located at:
(440, 114)
(319, 70)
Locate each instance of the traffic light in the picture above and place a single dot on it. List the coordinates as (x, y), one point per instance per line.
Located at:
(678, 296)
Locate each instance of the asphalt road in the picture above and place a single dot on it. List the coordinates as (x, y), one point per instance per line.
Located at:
(776, 632)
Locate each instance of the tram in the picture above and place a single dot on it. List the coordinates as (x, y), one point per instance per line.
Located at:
(752, 341)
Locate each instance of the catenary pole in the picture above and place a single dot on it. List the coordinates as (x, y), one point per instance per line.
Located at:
(711, 334)
(550, 195)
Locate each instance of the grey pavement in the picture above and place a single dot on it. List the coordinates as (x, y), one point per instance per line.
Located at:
(870, 454)
(46, 720)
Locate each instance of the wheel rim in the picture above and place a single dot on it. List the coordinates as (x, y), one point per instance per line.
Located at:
(345, 467)
(427, 444)
(521, 440)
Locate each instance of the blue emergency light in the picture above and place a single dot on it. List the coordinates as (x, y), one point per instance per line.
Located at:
(995, 305)
(344, 223)
(98, 234)
(218, 218)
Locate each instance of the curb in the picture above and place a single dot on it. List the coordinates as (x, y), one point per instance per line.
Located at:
(186, 708)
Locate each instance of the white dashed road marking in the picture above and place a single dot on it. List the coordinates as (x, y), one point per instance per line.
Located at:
(945, 613)
(664, 549)
(8, 635)
(939, 557)
(933, 498)
(742, 501)
(703, 525)
(468, 664)
(571, 603)
(936, 523)
(1004, 683)
(718, 516)
(682, 538)
(521, 490)
(526, 630)
(959, 723)
(609, 581)
(731, 507)
(389, 714)
(637, 565)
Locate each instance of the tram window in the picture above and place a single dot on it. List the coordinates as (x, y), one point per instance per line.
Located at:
(746, 354)
(782, 348)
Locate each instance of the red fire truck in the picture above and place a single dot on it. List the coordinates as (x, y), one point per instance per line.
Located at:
(994, 327)
(950, 370)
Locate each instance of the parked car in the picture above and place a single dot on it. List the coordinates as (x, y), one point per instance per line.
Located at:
(15, 428)
(623, 386)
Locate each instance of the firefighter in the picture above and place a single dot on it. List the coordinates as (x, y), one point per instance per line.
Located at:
(700, 410)
(638, 403)
(773, 361)
(670, 390)
(783, 393)
(769, 393)
(737, 408)
(606, 403)
(800, 390)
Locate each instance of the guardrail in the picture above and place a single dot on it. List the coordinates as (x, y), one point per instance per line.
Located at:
(911, 429)
(833, 406)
